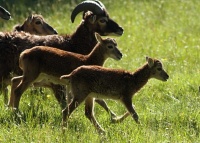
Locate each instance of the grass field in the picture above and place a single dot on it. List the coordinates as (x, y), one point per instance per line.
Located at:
(169, 111)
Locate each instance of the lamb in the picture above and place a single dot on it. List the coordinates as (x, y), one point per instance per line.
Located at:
(42, 63)
(35, 24)
(82, 41)
(4, 14)
(89, 82)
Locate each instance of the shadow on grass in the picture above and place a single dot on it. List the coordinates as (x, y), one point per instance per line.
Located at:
(32, 116)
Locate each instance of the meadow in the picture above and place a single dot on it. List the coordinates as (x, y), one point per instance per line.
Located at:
(168, 111)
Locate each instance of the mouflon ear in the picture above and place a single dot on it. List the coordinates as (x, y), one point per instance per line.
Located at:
(150, 61)
(30, 18)
(93, 19)
(98, 37)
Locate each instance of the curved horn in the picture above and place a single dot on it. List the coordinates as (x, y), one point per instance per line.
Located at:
(4, 10)
(100, 3)
(87, 5)
(4, 13)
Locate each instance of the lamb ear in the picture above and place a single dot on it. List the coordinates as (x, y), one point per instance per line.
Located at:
(98, 37)
(150, 61)
(30, 18)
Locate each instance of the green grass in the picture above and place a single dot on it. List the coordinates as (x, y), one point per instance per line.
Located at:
(169, 111)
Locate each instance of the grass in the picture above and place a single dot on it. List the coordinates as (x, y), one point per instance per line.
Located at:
(169, 111)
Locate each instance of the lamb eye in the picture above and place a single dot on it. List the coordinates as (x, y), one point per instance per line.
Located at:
(110, 47)
(37, 22)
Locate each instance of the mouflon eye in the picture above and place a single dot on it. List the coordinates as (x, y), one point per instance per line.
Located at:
(102, 20)
(159, 69)
(38, 22)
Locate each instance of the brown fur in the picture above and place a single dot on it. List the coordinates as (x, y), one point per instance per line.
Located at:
(43, 63)
(90, 82)
(35, 24)
(81, 41)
